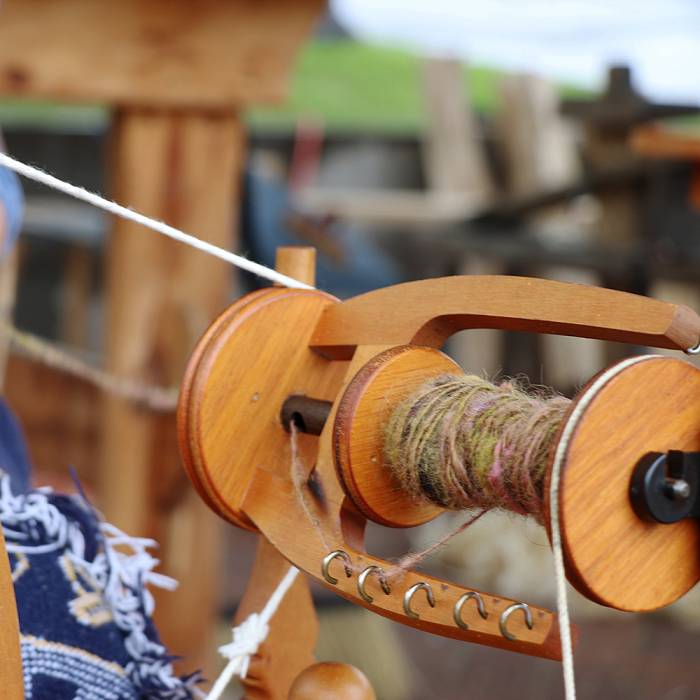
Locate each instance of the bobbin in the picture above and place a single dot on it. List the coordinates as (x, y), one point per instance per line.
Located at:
(366, 354)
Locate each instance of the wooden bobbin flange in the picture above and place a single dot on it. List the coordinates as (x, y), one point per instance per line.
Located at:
(358, 433)
(251, 359)
(612, 556)
(640, 405)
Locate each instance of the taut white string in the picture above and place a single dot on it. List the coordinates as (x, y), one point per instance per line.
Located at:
(248, 637)
(125, 213)
(253, 631)
(559, 570)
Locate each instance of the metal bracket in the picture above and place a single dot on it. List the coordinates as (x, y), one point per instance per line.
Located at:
(665, 487)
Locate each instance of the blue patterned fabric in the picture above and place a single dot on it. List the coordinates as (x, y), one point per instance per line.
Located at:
(82, 597)
(12, 205)
(14, 458)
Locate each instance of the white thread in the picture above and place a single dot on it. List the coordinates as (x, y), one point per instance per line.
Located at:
(253, 631)
(154, 398)
(25, 512)
(125, 213)
(559, 570)
(248, 636)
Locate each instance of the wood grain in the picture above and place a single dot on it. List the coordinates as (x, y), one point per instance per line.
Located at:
(251, 359)
(358, 432)
(248, 363)
(293, 632)
(427, 312)
(183, 169)
(332, 681)
(290, 643)
(611, 555)
(328, 520)
(212, 54)
(297, 262)
(274, 507)
(10, 657)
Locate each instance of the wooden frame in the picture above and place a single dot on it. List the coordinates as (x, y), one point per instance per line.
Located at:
(276, 343)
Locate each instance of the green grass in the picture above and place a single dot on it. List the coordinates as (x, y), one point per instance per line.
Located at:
(49, 115)
(345, 84)
(349, 85)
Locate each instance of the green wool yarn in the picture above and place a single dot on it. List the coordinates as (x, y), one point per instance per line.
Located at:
(463, 442)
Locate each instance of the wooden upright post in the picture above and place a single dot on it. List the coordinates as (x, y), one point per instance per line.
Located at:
(184, 169)
(177, 74)
(10, 655)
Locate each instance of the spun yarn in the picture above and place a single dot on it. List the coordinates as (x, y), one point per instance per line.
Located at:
(464, 442)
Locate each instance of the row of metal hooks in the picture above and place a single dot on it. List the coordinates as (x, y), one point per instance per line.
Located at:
(374, 570)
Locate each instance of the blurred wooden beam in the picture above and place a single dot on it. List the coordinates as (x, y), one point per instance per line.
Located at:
(182, 168)
(210, 54)
(58, 416)
(178, 73)
(454, 153)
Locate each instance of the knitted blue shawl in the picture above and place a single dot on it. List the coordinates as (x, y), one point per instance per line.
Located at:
(82, 597)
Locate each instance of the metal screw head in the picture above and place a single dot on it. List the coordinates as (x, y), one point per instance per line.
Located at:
(679, 489)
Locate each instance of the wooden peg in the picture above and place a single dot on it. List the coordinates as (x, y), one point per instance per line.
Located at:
(297, 262)
(331, 681)
(293, 633)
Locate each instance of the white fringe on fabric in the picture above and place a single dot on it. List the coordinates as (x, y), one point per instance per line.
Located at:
(33, 525)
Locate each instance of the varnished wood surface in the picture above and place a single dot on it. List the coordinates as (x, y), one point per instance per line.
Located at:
(293, 629)
(262, 491)
(274, 507)
(212, 54)
(427, 312)
(251, 359)
(612, 556)
(358, 432)
(11, 683)
(290, 643)
(332, 681)
(248, 363)
(181, 168)
(655, 141)
(305, 533)
(297, 262)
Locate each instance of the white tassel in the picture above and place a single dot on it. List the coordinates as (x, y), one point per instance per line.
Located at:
(248, 637)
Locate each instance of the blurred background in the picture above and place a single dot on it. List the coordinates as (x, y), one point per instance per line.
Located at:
(403, 139)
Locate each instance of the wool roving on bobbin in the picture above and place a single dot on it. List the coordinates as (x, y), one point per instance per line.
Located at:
(463, 442)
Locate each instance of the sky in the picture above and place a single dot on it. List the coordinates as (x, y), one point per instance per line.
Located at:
(566, 39)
